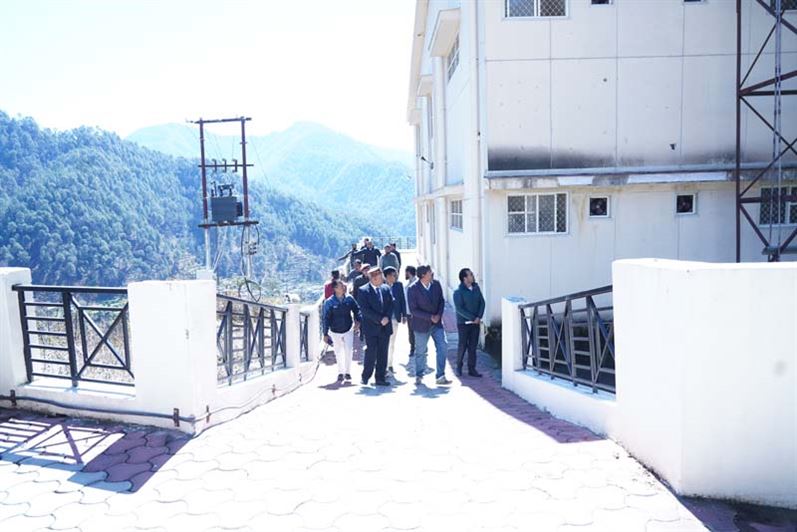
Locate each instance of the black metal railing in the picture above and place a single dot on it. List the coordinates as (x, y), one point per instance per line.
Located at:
(76, 333)
(402, 242)
(304, 337)
(572, 337)
(250, 338)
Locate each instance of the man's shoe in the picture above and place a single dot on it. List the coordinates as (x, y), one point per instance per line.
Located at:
(418, 381)
(443, 380)
(382, 383)
(364, 382)
(459, 371)
(474, 373)
(348, 377)
(340, 377)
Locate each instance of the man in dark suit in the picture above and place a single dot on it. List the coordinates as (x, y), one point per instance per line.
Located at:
(376, 305)
(427, 303)
(399, 310)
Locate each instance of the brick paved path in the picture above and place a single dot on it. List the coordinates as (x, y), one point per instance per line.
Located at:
(327, 457)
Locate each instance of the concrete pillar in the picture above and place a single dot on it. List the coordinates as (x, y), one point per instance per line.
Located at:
(12, 356)
(313, 328)
(292, 336)
(511, 339)
(439, 103)
(173, 345)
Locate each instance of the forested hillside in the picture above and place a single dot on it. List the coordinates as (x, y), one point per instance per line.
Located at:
(84, 206)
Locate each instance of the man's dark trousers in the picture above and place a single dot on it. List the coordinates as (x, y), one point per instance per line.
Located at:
(376, 355)
(468, 340)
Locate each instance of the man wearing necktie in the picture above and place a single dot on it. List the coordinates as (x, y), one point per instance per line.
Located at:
(376, 305)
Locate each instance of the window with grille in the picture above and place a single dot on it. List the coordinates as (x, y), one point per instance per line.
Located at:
(537, 213)
(456, 214)
(774, 209)
(453, 58)
(785, 5)
(535, 8)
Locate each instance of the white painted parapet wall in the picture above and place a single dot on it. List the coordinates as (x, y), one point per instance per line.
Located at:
(706, 376)
(173, 357)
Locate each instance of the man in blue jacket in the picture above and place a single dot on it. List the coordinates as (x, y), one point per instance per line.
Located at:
(341, 318)
(376, 306)
(399, 310)
(469, 304)
(426, 308)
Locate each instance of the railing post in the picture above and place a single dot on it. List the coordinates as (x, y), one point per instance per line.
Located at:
(228, 342)
(569, 343)
(173, 334)
(512, 343)
(70, 335)
(593, 347)
(292, 336)
(23, 320)
(14, 365)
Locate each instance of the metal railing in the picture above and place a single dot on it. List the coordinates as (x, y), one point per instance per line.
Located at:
(304, 337)
(572, 337)
(76, 333)
(402, 242)
(250, 338)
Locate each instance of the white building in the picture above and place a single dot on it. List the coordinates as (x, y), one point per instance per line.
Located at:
(555, 136)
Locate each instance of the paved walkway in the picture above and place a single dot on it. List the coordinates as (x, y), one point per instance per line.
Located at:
(470, 456)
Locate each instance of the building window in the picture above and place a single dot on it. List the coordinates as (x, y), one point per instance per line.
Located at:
(601, 2)
(453, 58)
(685, 204)
(776, 211)
(537, 213)
(456, 214)
(785, 5)
(599, 207)
(535, 8)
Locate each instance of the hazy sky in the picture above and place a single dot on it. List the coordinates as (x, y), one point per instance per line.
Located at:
(126, 64)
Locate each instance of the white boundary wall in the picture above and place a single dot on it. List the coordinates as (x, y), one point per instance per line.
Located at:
(706, 376)
(173, 357)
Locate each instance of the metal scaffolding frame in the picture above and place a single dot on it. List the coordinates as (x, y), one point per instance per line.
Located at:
(777, 241)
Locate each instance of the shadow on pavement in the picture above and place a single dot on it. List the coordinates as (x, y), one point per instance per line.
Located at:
(86, 446)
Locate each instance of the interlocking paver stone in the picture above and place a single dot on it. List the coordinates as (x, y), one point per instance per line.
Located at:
(470, 456)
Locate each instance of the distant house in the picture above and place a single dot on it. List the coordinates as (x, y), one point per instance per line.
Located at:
(554, 136)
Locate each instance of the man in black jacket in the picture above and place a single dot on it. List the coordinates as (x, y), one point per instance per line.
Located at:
(369, 254)
(376, 306)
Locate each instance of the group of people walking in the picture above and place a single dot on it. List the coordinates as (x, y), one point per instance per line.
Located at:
(372, 302)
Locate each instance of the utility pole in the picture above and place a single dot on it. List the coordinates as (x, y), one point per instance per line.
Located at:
(225, 209)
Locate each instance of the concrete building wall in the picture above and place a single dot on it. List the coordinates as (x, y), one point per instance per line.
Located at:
(642, 223)
(626, 84)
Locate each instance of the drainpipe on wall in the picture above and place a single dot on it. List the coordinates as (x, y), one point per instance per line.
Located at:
(481, 166)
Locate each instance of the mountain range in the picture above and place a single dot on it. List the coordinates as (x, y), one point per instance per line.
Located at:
(85, 207)
(309, 161)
